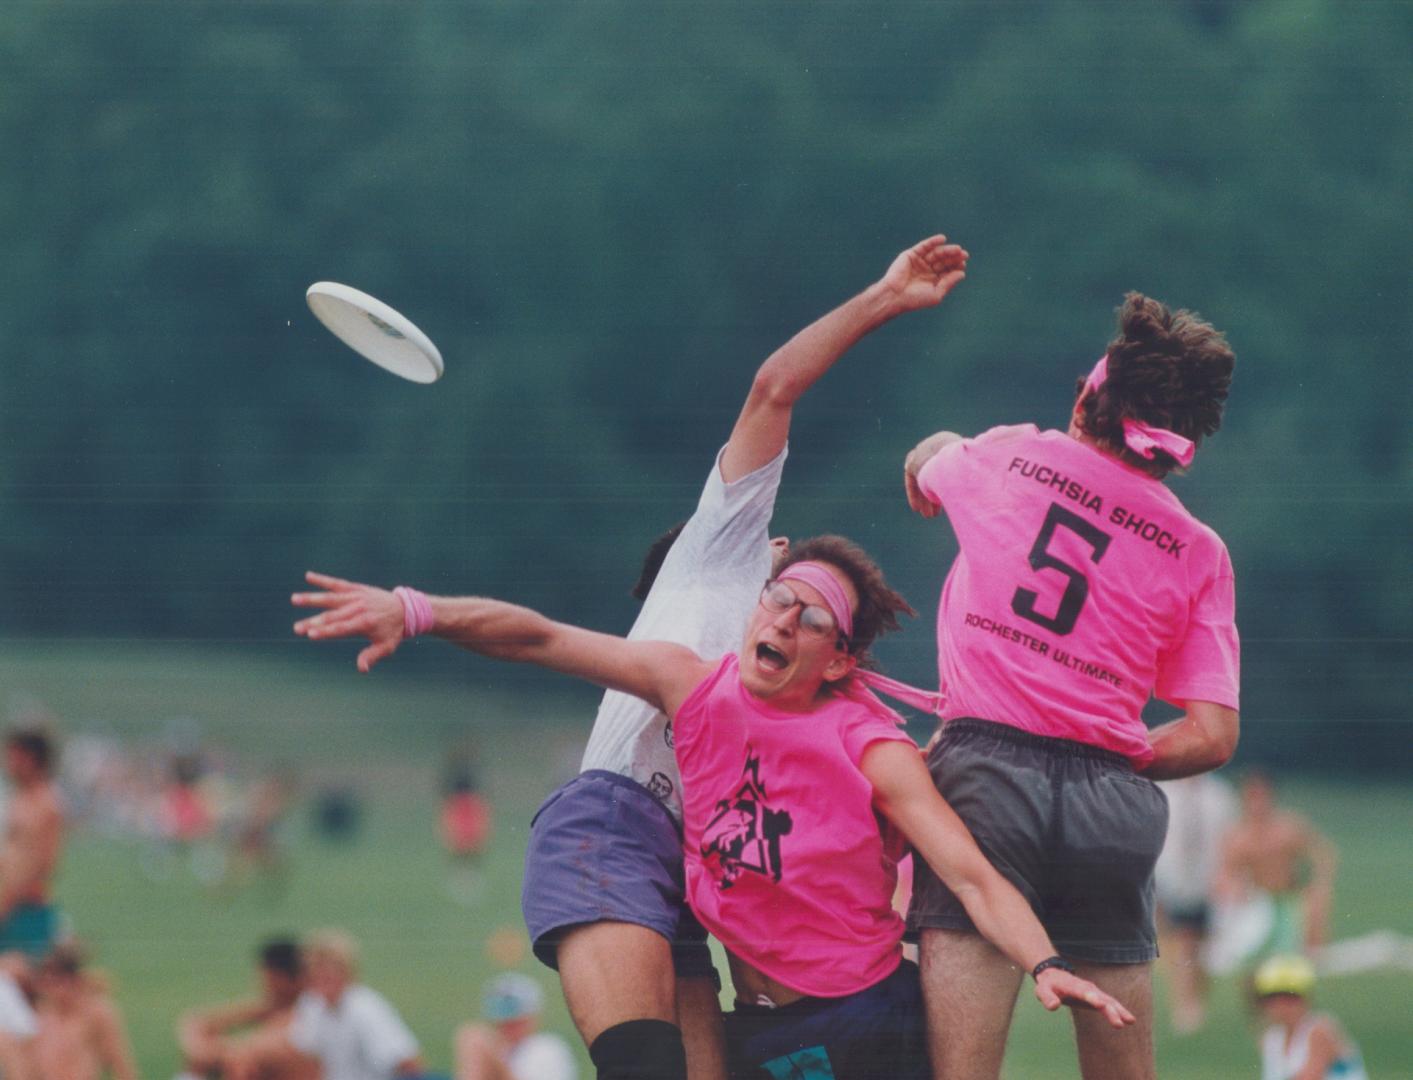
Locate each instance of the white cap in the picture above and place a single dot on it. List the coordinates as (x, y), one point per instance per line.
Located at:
(510, 997)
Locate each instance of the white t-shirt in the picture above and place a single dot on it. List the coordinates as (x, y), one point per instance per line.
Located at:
(707, 587)
(543, 1056)
(362, 1038)
(1280, 1061)
(1200, 810)
(16, 1016)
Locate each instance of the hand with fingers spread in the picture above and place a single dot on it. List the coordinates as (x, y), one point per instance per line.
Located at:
(352, 610)
(1056, 987)
(921, 276)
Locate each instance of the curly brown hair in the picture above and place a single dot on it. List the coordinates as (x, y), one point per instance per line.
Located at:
(1171, 369)
(879, 605)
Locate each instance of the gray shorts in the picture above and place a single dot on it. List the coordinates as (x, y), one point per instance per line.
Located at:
(603, 849)
(1071, 826)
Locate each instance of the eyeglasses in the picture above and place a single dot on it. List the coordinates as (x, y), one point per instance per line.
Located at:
(816, 621)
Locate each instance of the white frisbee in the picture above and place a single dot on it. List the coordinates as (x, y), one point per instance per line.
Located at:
(381, 334)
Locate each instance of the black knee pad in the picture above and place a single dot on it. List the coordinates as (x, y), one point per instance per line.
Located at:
(640, 1050)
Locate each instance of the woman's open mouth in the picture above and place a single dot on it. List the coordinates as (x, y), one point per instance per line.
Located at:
(771, 658)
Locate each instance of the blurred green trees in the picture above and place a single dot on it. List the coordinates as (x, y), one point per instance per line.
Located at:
(606, 214)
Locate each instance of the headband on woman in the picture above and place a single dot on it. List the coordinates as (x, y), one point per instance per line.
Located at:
(819, 577)
(1143, 438)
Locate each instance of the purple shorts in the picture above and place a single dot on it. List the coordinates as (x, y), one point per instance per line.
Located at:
(603, 849)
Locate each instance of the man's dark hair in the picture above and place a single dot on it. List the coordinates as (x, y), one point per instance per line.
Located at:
(1169, 369)
(652, 561)
(66, 958)
(34, 742)
(283, 956)
(879, 606)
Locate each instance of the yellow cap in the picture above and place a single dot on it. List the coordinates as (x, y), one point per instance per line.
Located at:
(1285, 975)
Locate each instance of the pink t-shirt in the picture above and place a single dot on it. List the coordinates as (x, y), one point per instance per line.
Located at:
(786, 862)
(1082, 587)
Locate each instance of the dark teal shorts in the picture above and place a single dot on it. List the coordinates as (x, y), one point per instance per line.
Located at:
(869, 1035)
(30, 929)
(1071, 826)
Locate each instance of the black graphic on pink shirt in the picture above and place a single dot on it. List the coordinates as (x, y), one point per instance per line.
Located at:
(745, 833)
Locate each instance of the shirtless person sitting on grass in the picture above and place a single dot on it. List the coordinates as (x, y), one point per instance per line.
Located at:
(81, 1033)
(248, 1038)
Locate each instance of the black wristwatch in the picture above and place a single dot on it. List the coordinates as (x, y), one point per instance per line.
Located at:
(1054, 962)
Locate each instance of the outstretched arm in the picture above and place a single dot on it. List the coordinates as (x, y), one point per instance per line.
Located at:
(918, 278)
(200, 1031)
(904, 793)
(660, 673)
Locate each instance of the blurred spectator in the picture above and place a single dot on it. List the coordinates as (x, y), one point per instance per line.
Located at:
(186, 816)
(466, 816)
(1275, 854)
(81, 1035)
(248, 1038)
(188, 807)
(338, 813)
(34, 840)
(349, 1029)
(1200, 811)
(255, 843)
(1298, 1043)
(465, 825)
(508, 1045)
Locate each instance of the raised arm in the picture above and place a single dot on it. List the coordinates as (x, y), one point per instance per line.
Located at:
(904, 793)
(918, 278)
(660, 673)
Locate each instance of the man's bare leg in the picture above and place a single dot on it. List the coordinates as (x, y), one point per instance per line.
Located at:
(1183, 956)
(699, 1016)
(970, 990)
(613, 972)
(1105, 1052)
(616, 972)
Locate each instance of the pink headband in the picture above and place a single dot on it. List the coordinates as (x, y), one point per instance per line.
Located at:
(1143, 438)
(819, 577)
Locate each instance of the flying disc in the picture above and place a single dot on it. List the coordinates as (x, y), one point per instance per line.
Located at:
(376, 331)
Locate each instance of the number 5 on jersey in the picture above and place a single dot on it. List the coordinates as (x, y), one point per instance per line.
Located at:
(1077, 588)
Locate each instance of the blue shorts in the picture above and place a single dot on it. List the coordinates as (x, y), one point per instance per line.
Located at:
(30, 929)
(603, 849)
(875, 1033)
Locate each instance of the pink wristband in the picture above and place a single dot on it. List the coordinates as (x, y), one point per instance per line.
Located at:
(417, 615)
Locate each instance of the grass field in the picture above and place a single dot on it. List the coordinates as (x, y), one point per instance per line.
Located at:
(171, 944)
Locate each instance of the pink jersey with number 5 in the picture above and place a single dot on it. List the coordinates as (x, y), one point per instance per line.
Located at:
(1082, 587)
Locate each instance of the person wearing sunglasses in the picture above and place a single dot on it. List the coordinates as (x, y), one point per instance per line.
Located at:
(787, 759)
(603, 892)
